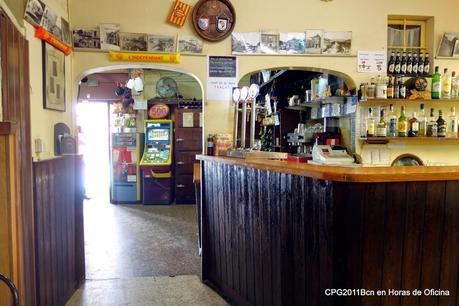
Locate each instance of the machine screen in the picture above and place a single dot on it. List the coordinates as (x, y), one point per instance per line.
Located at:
(158, 134)
(157, 143)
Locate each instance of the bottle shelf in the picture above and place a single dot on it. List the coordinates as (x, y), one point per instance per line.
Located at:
(380, 140)
(370, 102)
(401, 75)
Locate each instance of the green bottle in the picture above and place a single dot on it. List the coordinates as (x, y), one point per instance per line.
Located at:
(402, 124)
(436, 84)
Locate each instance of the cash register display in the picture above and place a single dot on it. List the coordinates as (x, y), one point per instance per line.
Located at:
(157, 143)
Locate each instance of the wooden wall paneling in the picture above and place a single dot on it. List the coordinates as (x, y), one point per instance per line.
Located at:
(393, 241)
(412, 246)
(433, 239)
(450, 249)
(80, 271)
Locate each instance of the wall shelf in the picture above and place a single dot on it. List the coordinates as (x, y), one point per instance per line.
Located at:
(372, 102)
(384, 140)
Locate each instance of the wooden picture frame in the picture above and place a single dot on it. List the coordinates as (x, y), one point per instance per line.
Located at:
(53, 78)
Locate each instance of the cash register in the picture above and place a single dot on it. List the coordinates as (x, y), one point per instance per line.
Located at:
(330, 155)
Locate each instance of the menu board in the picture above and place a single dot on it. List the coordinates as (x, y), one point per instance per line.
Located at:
(222, 77)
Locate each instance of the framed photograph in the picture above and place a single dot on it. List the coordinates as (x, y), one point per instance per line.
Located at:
(34, 12)
(109, 36)
(49, 20)
(456, 49)
(53, 78)
(161, 43)
(314, 41)
(269, 42)
(246, 43)
(337, 43)
(190, 44)
(447, 44)
(133, 42)
(292, 43)
(86, 38)
(66, 34)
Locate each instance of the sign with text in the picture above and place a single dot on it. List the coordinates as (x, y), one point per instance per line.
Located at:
(372, 61)
(221, 77)
(144, 57)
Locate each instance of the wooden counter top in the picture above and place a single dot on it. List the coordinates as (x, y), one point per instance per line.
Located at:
(345, 174)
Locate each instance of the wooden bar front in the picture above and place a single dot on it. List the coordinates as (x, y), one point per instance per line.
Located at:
(275, 238)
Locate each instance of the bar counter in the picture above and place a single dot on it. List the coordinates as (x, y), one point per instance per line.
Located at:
(280, 233)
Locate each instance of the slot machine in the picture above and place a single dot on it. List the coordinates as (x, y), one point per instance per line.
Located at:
(156, 163)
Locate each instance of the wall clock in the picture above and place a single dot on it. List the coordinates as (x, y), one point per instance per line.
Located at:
(214, 20)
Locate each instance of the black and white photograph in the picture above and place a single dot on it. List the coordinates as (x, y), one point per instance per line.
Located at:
(314, 41)
(49, 20)
(66, 34)
(269, 42)
(34, 12)
(337, 42)
(456, 49)
(246, 43)
(86, 38)
(190, 44)
(291, 43)
(447, 44)
(161, 43)
(109, 36)
(133, 41)
(53, 78)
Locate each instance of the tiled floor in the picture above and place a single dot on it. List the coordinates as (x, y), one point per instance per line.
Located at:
(152, 291)
(142, 255)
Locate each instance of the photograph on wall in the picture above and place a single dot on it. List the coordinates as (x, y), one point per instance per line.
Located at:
(53, 78)
(109, 36)
(66, 34)
(314, 41)
(292, 43)
(133, 41)
(50, 21)
(34, 12)
(447, 44)
(456, 49)
(161, 43)
(86, 38)
(269, 42)
(246, 43)
(337, 42)
(190, 44)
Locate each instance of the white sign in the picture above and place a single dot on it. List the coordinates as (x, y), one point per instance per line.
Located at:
(372, 61)
(221, 77)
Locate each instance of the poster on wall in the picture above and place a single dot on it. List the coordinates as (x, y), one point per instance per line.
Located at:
(221, 77)
(53, 78)
(371, 61)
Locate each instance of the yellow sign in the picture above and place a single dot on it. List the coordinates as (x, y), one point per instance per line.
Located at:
(144, 57)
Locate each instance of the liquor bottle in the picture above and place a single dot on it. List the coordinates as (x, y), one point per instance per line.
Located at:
(436, 84)
(426, 64)
(371, 89)
(398, 61)
(397, 89)
(409, 64)
(446, 88)
(392, 122)
(391, 64)
(402, 124)
(422, 122)
(403, 64)
(454, 85)
(210, 144)
(421, 65)
(432, 127)
(370, 123)
(452, 124)
(414, 126)
(441, 125)
(402, 87)
(381, 88)
(390, 89)
(415, 64)
(381, 129)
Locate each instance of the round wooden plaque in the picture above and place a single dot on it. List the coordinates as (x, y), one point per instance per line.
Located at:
(214, 20)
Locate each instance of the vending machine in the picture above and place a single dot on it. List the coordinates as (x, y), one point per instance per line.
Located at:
(125, 176)
(156, 163)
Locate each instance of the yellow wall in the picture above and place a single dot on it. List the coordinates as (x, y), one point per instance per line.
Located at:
(43, 120)
(367, 22)
(17, 7)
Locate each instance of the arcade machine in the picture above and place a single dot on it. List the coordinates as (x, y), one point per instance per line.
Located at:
(125, 177)
(156, 163)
